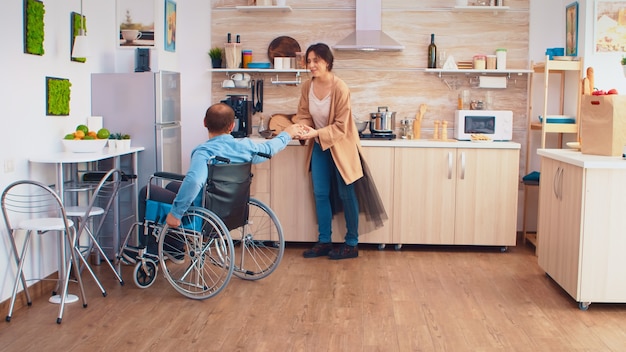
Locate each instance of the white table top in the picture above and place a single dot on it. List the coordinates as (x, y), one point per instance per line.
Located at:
(587, 161)
(68, 158)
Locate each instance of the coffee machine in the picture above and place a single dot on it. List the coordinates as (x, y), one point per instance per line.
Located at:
(243, 114)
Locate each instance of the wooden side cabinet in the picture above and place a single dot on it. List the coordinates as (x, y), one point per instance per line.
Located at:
(581, 230)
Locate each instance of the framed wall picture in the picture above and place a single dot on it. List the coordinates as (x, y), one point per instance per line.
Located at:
(610, 26)
(34, 11)
(57, 96)
(571, 29)
(170, 26)
(135, 20)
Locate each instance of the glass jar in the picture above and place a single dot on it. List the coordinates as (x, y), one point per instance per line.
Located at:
(247, 57)
(480, 62)
(501, 59)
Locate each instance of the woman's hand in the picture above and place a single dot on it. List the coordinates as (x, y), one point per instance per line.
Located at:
(308, 132)
(172, 221)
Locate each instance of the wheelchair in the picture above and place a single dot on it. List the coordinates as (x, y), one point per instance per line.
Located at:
(227, 233)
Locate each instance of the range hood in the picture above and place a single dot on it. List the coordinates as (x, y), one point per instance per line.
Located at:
(368, 35)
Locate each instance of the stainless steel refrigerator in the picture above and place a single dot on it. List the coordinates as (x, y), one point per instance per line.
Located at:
(145, 105)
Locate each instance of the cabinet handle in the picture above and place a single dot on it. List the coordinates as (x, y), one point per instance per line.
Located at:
(561, 184)
(462, 165)
(449, 165)
(555, 182)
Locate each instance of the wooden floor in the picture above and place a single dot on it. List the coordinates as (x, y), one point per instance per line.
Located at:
(416, 299)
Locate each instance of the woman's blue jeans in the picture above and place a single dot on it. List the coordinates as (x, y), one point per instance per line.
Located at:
(323, 170)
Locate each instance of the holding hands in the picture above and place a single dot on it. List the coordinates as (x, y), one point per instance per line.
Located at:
(300, 131)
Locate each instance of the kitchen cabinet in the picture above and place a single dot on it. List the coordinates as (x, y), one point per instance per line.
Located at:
(260, 186)
(456, 196)
(581, 225)
(292, 195)
(449, 194)
(424, 203)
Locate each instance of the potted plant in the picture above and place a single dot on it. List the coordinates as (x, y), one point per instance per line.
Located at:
(119, 141)
(216, 57)
(623, 61)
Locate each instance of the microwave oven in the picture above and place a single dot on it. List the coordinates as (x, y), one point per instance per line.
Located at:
(495, 124)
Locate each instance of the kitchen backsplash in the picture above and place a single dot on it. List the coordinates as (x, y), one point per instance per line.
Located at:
(392, 79)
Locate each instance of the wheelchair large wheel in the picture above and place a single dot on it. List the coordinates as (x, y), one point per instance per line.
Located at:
(196, 257)
(259, 244)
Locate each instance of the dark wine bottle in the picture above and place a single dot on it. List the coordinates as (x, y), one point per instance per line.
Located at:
(432, 52)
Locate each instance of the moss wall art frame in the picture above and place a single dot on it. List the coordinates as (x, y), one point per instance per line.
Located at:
(34, 11)
(75, 23)
(57, 96)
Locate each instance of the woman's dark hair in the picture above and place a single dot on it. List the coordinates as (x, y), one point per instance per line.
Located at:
(218, 118)
(322, 51)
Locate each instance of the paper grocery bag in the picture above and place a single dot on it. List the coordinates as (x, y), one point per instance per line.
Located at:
(603, 124)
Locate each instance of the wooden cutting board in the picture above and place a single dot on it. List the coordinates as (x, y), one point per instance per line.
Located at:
(278, 122)
(283, 47)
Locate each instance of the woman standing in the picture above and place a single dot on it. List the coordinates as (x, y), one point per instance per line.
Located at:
(334, 158)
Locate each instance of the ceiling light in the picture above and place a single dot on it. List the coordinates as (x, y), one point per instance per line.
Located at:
(81, 44)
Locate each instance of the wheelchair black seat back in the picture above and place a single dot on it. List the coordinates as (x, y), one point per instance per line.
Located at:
(228, 191)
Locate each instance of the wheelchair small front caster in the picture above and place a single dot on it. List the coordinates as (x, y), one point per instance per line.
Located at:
(145, 273)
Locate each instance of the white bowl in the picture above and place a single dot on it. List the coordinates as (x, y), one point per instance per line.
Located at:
(241, 83)
(84, 146)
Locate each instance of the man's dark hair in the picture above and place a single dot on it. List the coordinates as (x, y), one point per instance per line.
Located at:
(218, 118)
(322, 51)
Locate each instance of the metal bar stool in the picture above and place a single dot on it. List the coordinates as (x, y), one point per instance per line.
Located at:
(101, 200)
(30, 206)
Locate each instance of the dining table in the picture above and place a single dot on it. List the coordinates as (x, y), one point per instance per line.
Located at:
(66, 165)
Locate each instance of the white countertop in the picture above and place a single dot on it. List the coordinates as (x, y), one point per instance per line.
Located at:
(67, 157)
(587, 161)
(424, 143)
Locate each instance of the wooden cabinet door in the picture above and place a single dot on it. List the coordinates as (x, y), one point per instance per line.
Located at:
(486, 197)
(292, 195)
(569, 236)
(559, 222)
(381, 164)
(424, 192)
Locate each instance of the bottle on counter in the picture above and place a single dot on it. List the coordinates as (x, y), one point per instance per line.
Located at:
(432, 52)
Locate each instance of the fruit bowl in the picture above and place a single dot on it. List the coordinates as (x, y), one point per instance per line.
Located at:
(84, 145)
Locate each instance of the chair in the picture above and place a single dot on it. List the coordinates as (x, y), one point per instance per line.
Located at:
(100, 202)
(32, 207)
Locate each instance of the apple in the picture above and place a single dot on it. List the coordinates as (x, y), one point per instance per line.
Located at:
(612, 91)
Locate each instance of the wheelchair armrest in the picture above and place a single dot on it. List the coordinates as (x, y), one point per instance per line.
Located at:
(264, 155)
(169, 175)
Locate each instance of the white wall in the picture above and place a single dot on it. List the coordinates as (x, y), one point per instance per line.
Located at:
(26, 128)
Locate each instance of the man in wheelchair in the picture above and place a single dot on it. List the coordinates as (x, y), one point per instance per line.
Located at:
(219, 121)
